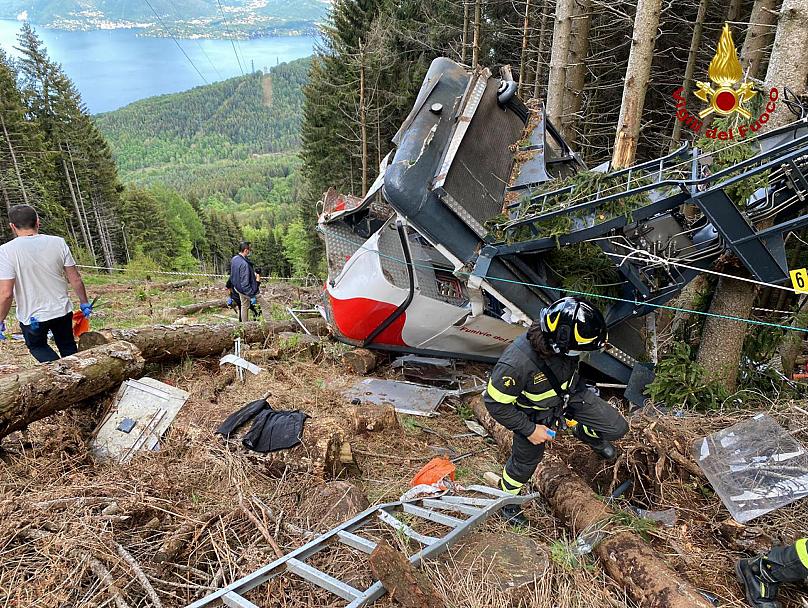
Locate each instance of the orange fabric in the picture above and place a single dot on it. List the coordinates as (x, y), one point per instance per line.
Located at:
(433, 471)
(81, 324)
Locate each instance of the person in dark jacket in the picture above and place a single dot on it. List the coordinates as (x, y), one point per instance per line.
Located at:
(242, 277)
(761, 576)
(535, 386)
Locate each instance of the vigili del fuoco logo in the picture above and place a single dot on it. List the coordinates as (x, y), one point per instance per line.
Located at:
(723, 96)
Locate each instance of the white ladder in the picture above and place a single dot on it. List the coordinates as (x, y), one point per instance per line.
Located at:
(476, 509)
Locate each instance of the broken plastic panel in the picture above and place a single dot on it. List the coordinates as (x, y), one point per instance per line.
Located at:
(241, 363)
(142, 412)
(405, 397)
(755, 467)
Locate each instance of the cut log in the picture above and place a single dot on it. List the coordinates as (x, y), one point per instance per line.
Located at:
(372, 418)
(190, 309)
(159, 342)
(40, 391)
(631, 562)
(406, 585)
(360, 361)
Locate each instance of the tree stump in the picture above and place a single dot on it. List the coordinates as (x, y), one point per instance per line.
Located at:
(360, 361)
(406, 585)
(373, 418)
(329, 504)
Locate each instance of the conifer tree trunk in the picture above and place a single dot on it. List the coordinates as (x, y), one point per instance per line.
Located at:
(687, 82)
(758, 36)
(523, 57)
(576, 70)
(81, 203)
(734, 12)
(722, 341)
(465, 40)
(559, 53)
(14, 159)
(84, 234)
(363, 126)
(539, 78)
(475, 52)
(646, 23)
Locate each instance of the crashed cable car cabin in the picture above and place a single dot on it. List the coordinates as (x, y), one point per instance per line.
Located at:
(450, 251)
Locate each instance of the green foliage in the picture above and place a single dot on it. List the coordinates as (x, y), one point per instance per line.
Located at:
(586, 185)
(464, 411)
(561, 553)
(236, 119)
(679, 382)
(639, 525)
(725, 155)
(584, 268)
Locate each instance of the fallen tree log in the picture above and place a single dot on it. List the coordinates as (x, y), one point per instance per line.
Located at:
(178, 284)
(631, 562)
(40, 391)
(190, 309)
(109, 357)
(158, 342)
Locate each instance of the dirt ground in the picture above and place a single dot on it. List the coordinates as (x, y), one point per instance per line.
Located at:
(200, 513)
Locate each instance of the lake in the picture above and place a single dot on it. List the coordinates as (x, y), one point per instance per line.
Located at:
(112, 68)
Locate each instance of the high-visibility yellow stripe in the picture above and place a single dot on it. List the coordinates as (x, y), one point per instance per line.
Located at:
(589, 431)
(504, 488)
(532, 407)
(510, 480)
(544, 395)
(498, 396)
(802, 551)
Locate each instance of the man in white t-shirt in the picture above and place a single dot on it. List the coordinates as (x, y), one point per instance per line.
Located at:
(35, 270)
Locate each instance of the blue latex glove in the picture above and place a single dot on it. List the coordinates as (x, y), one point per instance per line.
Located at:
(229, 301)
(34, 324)
(2, 330)
(253, 301)
(86, 309)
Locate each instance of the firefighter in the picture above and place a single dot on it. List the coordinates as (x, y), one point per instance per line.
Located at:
(535, 385)
(761, 576)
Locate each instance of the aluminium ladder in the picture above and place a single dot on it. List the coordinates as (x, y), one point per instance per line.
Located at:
(478, 509)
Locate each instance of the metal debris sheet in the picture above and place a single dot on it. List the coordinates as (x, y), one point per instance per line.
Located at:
(142, 412)
(405, 397)
(755, 466)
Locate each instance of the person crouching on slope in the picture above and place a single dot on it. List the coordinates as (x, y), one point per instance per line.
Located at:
(535, 385)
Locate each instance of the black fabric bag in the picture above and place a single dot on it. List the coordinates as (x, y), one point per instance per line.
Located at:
(271, 431)
(239, 417)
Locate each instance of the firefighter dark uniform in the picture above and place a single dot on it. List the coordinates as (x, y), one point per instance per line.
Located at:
(761, 576)
(520, 396)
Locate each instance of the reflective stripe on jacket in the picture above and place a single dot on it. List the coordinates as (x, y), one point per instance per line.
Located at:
(517, 387)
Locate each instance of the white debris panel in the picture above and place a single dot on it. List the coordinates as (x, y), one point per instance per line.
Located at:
(755, 467)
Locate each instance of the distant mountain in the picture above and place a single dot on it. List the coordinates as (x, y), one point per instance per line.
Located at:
(184, 18)
(213, 139)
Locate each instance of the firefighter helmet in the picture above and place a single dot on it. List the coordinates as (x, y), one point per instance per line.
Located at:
(572, 325)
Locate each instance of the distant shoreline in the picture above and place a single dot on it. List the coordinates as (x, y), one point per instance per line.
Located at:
(180, 31)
